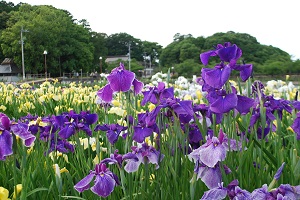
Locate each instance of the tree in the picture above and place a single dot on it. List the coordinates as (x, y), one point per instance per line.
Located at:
(68, 44)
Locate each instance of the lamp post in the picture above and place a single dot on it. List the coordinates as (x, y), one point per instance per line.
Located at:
(100, 58)
(22, 49)
(45, 54)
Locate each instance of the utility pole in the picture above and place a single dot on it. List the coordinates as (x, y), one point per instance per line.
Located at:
(22, 49)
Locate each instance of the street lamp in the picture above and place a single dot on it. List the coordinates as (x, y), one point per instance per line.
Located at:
(45, 54)
(100, 58)
(22, 49)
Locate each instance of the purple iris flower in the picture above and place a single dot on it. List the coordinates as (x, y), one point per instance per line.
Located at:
(70, 123)
(211, 176)
(157, 94)
(114, 158)
(104, 183)
(227, 53)
(144, 154)
(6, 138)
(119, 80)
(146, 125)
(214, 150)
(60, 145)
(245, 70)
(112, 131)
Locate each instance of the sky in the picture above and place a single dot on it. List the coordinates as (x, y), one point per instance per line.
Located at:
(271, 22)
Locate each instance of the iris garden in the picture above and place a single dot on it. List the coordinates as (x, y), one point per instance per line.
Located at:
(123, 139)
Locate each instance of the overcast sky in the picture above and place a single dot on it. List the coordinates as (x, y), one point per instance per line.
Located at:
(271, 22)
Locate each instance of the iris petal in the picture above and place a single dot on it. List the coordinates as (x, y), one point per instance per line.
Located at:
(104, 185)
(6, 141)
(121, 80)
(84, 184)
(224, 104)
(106, 93)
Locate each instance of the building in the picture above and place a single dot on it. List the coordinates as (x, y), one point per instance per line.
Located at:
(9, 71)
(111, 59)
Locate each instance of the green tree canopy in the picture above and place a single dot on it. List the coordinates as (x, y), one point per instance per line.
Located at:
(68, 43)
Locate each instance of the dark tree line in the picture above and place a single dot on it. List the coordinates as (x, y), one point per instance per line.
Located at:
(73, 46)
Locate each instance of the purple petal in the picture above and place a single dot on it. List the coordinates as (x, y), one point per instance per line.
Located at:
(279, 172)
(229, 54)
(137, 86)
(212, 154)
(84, 184)
(6, 141)
(91, 118)
(244, 104)
(296, 127)
(216, 77)
(112, 136)
(106, 93)
(224, 104)
(132, 165)
(21, 130)
(120, 80)
(66, 132)
(4, 121)
(215, 194)
(212, 177)
(141, 133)
(204, 57)
(104, 185)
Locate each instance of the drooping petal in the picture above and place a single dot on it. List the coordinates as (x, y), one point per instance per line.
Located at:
(105, 94)
(112, 136)
(212, 177)
(21, 130)
(204, 57)
(6, 141)
(245, 70)
(84, 184)
(137, 86)
(66, 132)
(132, 165)
(4, 121)
(244, 104)
(224, 104)
(141, 133)
(91, 118)
(104, 185)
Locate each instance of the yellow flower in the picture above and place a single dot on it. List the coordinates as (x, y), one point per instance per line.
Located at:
(4, 194)
(96, 160)
(187, 97)
(199, 94)
(290, 129)
(56, 97)
(151, 106)
(118, 111)
(17, 191)
(115, 103)
(2, 107)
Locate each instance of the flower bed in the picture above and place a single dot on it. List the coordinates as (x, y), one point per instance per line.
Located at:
(211, 138)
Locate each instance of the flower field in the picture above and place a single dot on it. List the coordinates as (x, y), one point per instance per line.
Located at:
(209, 138)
